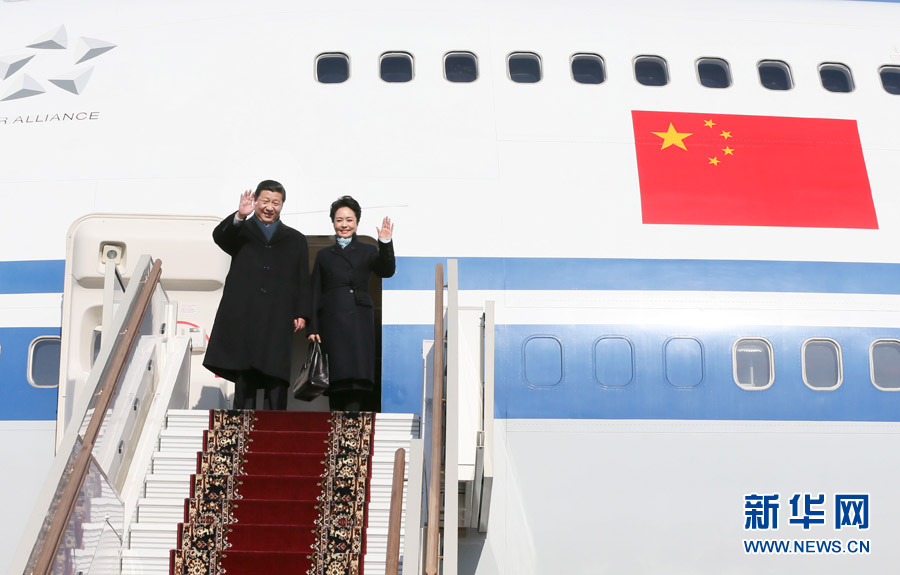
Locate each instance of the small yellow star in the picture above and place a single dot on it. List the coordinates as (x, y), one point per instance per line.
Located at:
(672, 137)
(725, 134)
(728, 151)
(714, 161)
(709, 123)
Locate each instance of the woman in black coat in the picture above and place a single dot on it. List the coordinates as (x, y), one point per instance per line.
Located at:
(343, 318)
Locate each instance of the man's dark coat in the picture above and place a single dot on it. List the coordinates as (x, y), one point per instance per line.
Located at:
(344, 315)
(266, 288)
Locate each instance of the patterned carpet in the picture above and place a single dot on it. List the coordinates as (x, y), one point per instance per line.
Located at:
(278, 492)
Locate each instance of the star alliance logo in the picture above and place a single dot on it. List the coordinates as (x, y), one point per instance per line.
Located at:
(22, 74)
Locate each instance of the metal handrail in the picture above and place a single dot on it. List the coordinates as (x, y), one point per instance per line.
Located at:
(437, 424)
(393, 539)
(112, 372)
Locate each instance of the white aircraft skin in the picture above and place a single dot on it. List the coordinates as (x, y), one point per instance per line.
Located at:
(176, 108)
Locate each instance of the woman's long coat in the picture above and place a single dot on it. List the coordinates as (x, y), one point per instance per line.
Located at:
(344, 316)
(267, 286)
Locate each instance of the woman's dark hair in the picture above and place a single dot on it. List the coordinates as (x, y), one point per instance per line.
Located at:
(346, 202)
(272, 186)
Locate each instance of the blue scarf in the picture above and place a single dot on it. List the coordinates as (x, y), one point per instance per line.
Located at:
(344, 242)
(267, 229)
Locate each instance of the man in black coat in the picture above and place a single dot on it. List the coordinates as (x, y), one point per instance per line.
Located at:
(267, 298)
(344, 315)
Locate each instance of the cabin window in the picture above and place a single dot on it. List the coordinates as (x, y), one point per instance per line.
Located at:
(890, 79)
(651, 71)
(613, 361)
(332, 68)
(822, 367)
(588, 69)
(683, 358)
(836, 78)
(524, 67)
(775, 75)
(713, 73)
(396, 67)
(543, 361)
(753, 363)
(43, 361)
(460, 67)
(884, 364)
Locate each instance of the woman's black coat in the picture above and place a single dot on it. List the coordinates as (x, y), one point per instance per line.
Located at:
(344, 316)
(266, 288)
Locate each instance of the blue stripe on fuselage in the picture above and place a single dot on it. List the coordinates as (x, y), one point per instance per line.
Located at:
(717, 397)
(415, 273)
(402, 367)
(41, 276)
(19, 401)
(579, 395)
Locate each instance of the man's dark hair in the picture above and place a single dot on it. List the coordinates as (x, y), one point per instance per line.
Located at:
(272, 186)
(346, 202)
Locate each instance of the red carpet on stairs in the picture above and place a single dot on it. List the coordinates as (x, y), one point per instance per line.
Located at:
(278, 492)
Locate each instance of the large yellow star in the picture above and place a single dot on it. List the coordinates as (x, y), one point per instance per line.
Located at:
(672, 137)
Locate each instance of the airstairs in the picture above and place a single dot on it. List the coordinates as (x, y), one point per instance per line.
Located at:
(166, 486)
(116, 492)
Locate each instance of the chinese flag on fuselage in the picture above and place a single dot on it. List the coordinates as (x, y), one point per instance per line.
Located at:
(720, 169)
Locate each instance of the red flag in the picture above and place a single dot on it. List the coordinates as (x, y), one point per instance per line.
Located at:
(719, 169)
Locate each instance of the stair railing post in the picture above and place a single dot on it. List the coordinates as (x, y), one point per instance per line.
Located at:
(432, 543)
(393, 539)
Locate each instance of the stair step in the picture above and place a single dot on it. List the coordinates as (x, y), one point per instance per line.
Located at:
(145, 562)
(376, 562)
(153, 536)
(161, 510)
(396, 428)
(376, 537)
(167, 485)
(386, 448)
(181, 440)
(187, 418)
(174, 463)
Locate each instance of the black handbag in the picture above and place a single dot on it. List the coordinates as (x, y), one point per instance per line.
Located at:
(313, 378)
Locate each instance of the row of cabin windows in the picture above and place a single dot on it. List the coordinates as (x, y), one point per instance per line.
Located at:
(753, 362)
(527, 68)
